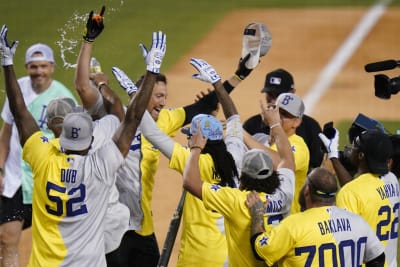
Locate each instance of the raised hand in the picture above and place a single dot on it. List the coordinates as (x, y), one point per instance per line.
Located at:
(94, 26)
(331, 145)
(154, 57)
(124, 81)
(206, 72)
(242, 71)
(7, 52)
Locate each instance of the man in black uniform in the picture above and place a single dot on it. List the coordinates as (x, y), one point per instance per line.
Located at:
(277, 82)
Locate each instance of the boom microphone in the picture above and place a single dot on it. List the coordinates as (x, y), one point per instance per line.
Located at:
(382, 65)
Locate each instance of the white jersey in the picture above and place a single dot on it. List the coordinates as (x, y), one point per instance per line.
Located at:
(69, 204)
(116, 220)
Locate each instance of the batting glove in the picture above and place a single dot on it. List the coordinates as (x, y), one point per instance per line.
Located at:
(331, 145)
(207, 72)
(242, 71)
(154, 57)
(7, 52)
(94, 26)
(124, 81)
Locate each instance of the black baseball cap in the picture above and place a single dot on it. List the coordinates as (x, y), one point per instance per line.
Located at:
(278, 81)
(377, 148)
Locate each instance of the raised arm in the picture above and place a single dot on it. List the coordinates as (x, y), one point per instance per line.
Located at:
(126, 131)
(208, 74)
(272, 118)
(89, 95)
(24, 120)
(332, 149)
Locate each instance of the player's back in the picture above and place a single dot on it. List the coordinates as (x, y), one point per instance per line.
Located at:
(69, 203)
(323, 236)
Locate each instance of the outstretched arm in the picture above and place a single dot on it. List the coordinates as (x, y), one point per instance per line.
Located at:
(208, 74)
(24, 120)
(125, 133)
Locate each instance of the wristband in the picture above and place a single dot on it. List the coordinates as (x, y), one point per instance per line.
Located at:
(1, 171)
(275, 125)
(100, 84)
(228, 87)
(193, 147)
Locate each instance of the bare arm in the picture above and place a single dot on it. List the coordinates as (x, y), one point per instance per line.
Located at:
(86, 91)
(24, 120)
(227, 104)
(191, 175)
(342, 174)
(126, 131)
(272, 118)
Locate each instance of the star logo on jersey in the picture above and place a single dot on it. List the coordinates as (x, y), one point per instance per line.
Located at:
(263, 241)
(215, 187)
(44, 139)
(293, 149)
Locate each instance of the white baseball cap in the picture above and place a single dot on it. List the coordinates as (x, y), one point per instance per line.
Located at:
(33, 53)
(77, 131)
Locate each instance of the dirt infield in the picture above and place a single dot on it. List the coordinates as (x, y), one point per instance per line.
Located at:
(303, 42)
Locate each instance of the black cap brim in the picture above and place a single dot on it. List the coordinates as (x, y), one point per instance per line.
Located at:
(186, 130)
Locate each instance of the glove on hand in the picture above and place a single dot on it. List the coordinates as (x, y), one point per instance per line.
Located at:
(242, 71)
(7, 52)
(207, 72)
(124, 81)
(94, 26)
(331, 145)
(154, 57)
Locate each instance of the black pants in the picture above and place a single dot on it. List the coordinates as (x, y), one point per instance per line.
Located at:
(138, 251)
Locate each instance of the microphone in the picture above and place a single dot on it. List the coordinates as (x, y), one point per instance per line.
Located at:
(382, 65)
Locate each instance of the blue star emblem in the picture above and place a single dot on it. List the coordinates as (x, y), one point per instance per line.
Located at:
(44, 139)
(263, 241)
(215, 187)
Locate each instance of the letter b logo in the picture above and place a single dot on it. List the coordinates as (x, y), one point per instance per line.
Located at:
(75, 132)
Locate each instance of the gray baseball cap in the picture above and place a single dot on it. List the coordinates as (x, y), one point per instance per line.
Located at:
(291, 103)
(257, 164)
(77, 131)
(59, 108)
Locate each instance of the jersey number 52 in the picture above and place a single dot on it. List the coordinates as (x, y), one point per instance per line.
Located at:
(73, 206)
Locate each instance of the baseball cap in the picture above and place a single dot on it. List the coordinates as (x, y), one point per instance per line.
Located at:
(257, 164)
(278, 81)
(256, 41)
(59, 107)
(377, 148)
(77, 131)
(45, 50)
(291, 103)
(211, 127)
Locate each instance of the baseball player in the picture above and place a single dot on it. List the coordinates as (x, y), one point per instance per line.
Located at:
(277, 82)
(322, 235)
(374, 192)
(71, 207)
(291, 110)
(38, 88)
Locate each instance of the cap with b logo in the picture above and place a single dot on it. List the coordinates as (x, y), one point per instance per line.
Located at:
(291, 103)
(77, 131)
(278, 81)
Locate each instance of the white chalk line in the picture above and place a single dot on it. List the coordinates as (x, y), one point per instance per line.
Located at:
(343, 54)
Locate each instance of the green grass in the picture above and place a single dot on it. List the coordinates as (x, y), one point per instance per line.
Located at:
(127, 23)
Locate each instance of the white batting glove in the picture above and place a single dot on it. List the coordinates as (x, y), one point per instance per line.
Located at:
(331, 145)
(207, 72)
(124, 81)
(7, 52)
(154, 57)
